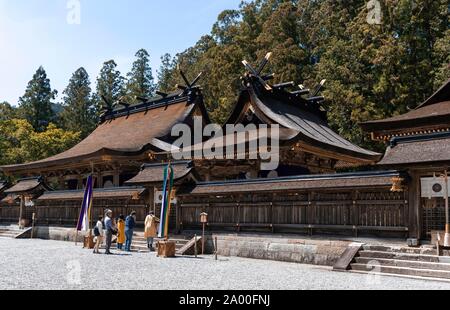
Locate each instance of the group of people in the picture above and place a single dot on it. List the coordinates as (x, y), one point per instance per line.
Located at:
(123, 228)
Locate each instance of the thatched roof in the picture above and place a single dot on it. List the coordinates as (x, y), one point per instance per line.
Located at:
(126, 132)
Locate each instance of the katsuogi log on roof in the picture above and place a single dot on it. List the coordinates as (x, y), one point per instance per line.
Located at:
(129, 131)
(302, 116)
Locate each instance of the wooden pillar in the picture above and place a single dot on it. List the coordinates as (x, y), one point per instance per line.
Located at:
(22, 204)
(116, 179)
(415, 207)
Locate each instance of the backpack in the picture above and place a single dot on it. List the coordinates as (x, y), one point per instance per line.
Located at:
(96, 231)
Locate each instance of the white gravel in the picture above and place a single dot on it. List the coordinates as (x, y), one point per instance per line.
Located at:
(39, 264)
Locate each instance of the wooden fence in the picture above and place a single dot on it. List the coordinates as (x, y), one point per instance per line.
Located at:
(66, 213)
(375, 211)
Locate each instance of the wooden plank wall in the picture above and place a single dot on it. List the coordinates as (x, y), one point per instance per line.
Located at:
(376, 210)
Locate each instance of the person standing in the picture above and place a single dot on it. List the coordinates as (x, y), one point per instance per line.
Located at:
(151, 229)
(98, 233)
(130, 224)
(110, 229)
(121, 232)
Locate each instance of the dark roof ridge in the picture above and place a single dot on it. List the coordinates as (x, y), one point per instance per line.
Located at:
(416, 138)
(147, 106)
(364, 174)
(38, 178)
(111, 189)
(438, 96)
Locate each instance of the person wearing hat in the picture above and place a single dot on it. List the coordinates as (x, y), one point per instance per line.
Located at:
(110, 230)
(130, 224)
(151, 229)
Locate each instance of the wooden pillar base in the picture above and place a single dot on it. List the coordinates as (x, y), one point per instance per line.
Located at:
(166, 249)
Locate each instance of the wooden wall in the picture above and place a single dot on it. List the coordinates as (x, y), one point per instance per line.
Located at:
(347, 211)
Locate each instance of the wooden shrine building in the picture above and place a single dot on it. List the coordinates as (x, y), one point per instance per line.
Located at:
(419, 144)
(128, 151)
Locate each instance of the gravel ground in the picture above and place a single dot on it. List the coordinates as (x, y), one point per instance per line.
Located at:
(38, 264)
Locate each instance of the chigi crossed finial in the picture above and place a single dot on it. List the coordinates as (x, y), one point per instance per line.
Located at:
(189, 86)
(263, 80)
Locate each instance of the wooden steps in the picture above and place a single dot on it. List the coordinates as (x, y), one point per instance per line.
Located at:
(189, 247)
(401, 261)
(140, 242)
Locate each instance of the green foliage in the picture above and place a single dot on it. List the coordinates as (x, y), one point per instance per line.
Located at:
(164, 73)
(20, 143)
(7, 111)
(79, 111)
(373, 71)
(140, 80)
(110, 85)
(36, 104)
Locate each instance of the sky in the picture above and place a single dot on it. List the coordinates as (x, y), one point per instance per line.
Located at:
(51, 33)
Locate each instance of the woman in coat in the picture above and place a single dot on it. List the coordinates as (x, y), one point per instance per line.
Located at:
(121, 232)
(151, 229)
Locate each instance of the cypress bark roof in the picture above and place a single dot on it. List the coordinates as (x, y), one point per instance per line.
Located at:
(118, 193)
(336, 181)
(126, 132)
(433, 114)
(155, 173)
(307, 125)
(26, 186)
(424, 149)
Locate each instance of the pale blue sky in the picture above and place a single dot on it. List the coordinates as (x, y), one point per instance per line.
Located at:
(36, 32)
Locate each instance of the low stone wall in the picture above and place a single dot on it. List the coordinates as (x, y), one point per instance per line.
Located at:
(56, 233)
(304, 251)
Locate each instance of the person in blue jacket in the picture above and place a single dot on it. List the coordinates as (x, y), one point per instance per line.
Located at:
(130, 224)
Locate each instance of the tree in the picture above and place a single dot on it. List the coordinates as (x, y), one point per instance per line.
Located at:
(79, 113)
(36, 104)
(110, 86)
(140, 80)
(164, 73)
(7, 111)
(373, 71)
(20, 143)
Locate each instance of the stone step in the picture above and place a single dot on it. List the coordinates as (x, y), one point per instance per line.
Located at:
(403, 263)
(8, 234)
(399, 256)
(405, 271)
(403, 250)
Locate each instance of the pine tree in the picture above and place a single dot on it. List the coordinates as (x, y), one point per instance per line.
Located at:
(164, 73)
(36, 104)
(79, 113)
(140, 80)
(110, 86)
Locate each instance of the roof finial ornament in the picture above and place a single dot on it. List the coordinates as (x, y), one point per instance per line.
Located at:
(315, 95)
(107, 107)
(189, 86)
(256, 73)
